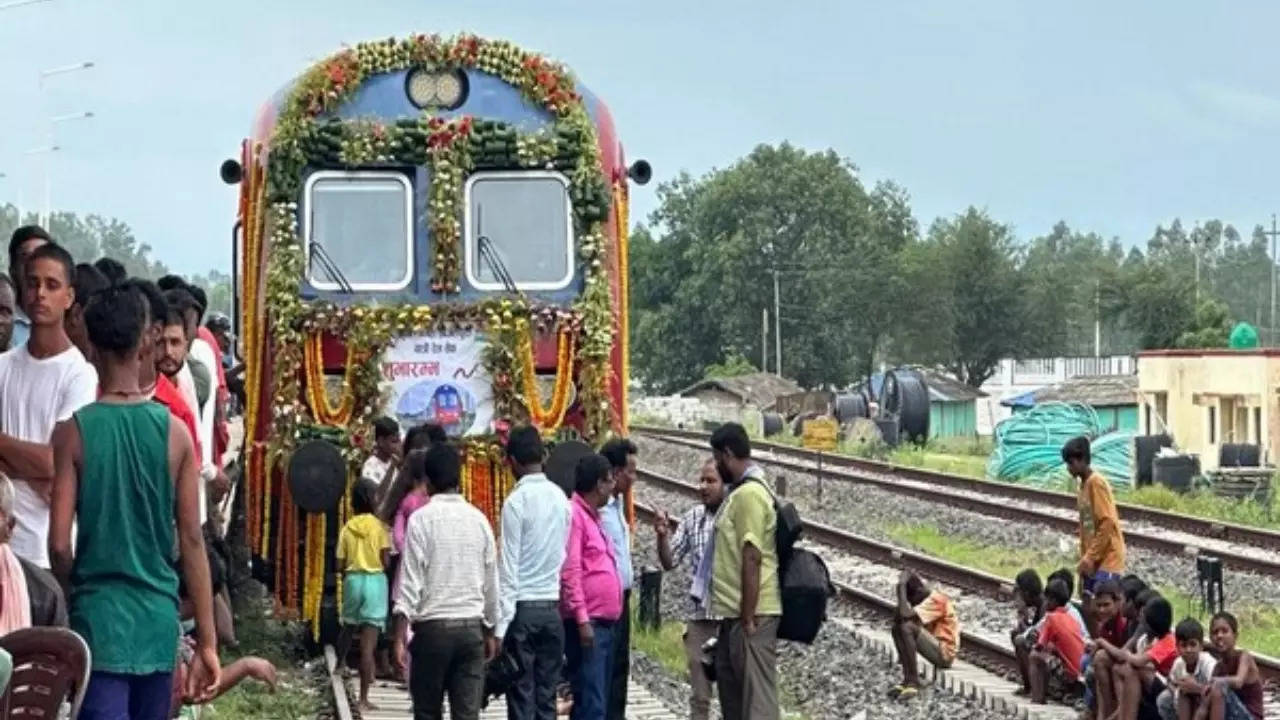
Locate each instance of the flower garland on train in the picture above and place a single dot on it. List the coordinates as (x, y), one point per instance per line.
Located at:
(450, 148)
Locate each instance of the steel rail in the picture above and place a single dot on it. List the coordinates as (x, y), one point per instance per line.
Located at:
(988, 654)
(1191, 524)
(939, 492)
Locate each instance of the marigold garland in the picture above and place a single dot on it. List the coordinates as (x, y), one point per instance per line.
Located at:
(317, 394)
(548, 419)
(313, 583)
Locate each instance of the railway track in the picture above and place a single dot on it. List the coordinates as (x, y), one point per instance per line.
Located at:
(1009, 501)
(977, 649)
(982, 651)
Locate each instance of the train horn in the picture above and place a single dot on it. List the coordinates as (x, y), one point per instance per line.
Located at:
(640, 172)
(231, 172)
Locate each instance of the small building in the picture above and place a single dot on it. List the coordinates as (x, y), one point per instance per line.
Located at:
(1207, 398)
(1113, 397)
(759, 391)
(1013, 377)
(953, 407)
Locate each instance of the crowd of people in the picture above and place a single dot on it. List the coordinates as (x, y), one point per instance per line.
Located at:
(1119, 647)
(114, 396)
(113, 401)
(546, 607)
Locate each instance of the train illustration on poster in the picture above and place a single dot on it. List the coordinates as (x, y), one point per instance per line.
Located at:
(440, 379)
(451, 406)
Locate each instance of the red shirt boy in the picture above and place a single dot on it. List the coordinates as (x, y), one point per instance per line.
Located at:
(1061, 633)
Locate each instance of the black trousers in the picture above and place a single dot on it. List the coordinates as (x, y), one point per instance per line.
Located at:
(617, 702)
(448, 656)
(536, 638)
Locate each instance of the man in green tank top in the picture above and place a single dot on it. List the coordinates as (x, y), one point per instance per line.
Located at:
(126, 475)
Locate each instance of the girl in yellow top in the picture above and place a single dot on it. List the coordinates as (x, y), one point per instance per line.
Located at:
(1101, 542)
(364, 546)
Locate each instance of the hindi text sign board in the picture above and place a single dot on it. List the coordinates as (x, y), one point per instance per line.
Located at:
(441, 378)
(819, 434)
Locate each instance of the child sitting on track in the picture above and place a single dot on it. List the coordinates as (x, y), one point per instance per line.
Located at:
(1030, 608)
(1139, 678)
(926, 624)
(1113, 627)
(1055, 662)
(1190, 676)
(1072, 607)
(1236, 693)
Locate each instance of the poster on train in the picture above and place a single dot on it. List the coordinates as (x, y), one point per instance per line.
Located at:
(439, 378)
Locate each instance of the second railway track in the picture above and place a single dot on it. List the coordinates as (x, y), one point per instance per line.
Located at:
(1014, 502)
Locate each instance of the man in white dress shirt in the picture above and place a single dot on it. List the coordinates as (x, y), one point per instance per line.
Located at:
(449, 591)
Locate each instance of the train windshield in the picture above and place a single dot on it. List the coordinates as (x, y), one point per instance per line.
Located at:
(518, 231)
(359, 230)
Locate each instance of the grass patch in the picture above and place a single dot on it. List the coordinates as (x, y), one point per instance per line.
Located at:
(1203, 503)
(1259, 625)
(296, 696)
(666, 646)
(1005, 562)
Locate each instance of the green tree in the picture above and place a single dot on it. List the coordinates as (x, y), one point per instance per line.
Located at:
(968, 301)
(701, 285)
(733, 365)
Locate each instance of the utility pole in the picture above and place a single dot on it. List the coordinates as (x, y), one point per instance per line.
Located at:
(777, 327)
(1097, 319)
(1272, 277)
(764, 340)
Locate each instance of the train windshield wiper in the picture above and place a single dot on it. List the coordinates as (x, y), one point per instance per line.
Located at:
(329, 266)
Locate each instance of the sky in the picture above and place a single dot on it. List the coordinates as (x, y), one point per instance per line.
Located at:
(1111, 116)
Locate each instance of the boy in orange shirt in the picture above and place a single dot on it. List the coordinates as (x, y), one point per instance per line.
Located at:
(926, 624)
(1101, 541)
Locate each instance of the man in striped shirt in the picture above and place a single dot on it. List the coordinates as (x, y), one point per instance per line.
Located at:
(692, 537)
(449, 591)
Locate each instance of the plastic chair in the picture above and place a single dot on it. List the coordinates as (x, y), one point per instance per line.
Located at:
(50, 666)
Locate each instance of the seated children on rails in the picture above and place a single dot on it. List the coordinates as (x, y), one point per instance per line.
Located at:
(1113, 629)
(1236, 693)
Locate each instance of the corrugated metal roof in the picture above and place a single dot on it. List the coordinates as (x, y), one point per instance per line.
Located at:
(1095, 390)
(759, 389)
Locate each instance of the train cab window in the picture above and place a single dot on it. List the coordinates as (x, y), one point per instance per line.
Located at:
(518, 223)
(358, 227)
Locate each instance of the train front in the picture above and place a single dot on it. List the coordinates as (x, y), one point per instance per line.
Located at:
(430, 229)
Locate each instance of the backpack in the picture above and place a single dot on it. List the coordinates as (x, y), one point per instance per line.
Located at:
(803, 580)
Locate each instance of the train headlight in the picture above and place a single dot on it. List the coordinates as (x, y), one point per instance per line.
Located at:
(436, 90)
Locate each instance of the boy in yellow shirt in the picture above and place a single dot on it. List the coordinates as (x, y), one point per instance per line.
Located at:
(1101, 541)
(364, 546)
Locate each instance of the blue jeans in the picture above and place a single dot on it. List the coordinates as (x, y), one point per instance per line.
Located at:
(1099, 577)
(116, 696)
(590, 669)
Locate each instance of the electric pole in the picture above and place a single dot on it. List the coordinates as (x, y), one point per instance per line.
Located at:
(777, 327)
(1272, 276)
(764, 340)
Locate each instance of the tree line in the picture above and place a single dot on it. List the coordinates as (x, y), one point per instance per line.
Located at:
(93, 236)
(862, 283)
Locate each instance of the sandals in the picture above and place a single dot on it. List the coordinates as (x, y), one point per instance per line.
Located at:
(904, 692)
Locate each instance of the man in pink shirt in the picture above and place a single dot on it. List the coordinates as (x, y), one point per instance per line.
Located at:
(590, 590)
